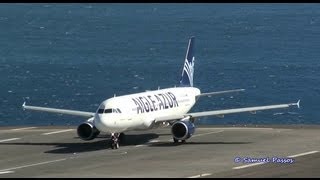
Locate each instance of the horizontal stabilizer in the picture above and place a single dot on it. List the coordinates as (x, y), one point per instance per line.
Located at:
(219, 92)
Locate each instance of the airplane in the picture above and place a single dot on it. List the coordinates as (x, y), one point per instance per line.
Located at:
(153, 109)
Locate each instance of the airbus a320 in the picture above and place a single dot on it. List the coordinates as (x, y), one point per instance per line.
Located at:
(152, 109)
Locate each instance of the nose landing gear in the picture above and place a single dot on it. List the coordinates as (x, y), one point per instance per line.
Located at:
(116, 138)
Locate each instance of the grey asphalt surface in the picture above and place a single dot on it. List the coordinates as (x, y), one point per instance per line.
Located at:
(55, 151)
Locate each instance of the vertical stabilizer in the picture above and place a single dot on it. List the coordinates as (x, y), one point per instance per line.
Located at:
(188, 68)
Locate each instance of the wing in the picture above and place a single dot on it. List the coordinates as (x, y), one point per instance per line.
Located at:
(58, 111)
(226, 111)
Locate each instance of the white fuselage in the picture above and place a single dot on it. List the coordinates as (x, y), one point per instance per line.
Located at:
(138, 111)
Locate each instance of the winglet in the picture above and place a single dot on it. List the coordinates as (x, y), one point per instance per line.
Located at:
(298, 103)
(295, 104)
(24, 104)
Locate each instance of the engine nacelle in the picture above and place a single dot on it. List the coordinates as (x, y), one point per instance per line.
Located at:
(182, 130)
(87, 131)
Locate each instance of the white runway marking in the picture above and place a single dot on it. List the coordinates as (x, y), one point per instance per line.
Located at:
(237, 128)
(6, 172)
(200, 175)
(302, 154)
(207, 133)
(36, 164)
(12, 139)
(55, 132)
(22, 128)
(140, 145)
(153, 141)
(248, 165)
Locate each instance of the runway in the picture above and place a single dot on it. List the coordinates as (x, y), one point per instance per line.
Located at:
(213, 151)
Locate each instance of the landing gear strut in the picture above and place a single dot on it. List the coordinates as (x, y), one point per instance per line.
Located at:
(175, 140)
(115, 140)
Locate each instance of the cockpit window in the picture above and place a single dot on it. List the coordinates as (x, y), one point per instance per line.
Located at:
(100, 111)
(108, 111)
(105, 111)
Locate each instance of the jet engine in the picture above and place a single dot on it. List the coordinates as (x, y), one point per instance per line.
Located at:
(182, 130)
(87, 131)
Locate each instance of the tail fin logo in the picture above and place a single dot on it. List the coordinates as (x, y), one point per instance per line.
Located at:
(188, 68)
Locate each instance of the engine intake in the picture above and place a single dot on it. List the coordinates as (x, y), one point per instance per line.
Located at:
(182, 130)
(87, 131)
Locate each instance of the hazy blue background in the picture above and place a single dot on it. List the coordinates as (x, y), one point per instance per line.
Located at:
(74, 56)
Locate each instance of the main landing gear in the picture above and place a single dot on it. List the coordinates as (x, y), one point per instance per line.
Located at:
(175, 141)
(115, 140)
